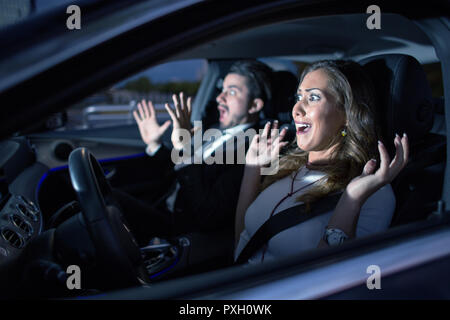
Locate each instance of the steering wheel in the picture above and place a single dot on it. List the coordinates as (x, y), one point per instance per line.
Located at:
(116, 249)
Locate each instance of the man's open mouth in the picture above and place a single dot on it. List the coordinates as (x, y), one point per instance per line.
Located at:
(223, 110)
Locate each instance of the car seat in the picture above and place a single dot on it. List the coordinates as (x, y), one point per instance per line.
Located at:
(284, 87)
(405, 104)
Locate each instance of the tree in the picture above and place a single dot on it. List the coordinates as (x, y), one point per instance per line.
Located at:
(141, 84)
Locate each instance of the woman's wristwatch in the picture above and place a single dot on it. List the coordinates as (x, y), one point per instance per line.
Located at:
(334, 236)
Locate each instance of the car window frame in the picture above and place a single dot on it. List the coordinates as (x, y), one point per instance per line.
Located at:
(441, 223)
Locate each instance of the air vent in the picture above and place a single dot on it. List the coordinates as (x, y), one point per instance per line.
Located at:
(26, 212)
(13, 238)
(20, 223)
(28, 203)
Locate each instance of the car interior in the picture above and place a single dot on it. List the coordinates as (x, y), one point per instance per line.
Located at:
(43, 192)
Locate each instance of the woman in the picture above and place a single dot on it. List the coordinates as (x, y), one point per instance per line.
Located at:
(336, 151)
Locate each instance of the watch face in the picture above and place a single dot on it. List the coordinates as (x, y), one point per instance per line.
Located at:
(334, 237)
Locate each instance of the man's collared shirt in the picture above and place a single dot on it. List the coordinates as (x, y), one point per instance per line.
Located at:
(208, 148)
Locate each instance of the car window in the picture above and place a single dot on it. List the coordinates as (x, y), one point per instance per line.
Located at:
(113, 106)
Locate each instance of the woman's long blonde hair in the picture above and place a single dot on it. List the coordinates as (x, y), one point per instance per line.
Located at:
(353, 92)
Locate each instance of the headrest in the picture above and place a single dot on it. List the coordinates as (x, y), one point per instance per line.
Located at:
(284, 86)
(404, 98)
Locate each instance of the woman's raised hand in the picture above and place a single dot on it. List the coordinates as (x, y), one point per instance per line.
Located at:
(265, 148)
(151, 131)
(363, 186)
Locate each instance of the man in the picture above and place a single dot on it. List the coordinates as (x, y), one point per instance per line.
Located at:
(203, 196)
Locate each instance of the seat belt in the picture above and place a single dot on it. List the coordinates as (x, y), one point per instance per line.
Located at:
(284, 220)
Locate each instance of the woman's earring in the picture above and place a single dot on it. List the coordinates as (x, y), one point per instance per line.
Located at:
(344, 132)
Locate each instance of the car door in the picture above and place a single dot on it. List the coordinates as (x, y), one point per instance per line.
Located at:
(265, 279)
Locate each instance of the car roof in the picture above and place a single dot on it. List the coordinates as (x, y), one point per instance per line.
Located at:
(325, 37)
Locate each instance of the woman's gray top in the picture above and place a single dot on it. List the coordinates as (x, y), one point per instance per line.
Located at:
(375, 216)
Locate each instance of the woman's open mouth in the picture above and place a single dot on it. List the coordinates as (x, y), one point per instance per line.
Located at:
(302, 127)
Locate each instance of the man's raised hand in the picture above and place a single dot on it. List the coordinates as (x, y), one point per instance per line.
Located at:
(151, 132)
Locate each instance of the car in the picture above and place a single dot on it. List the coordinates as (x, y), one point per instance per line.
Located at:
(59, 240)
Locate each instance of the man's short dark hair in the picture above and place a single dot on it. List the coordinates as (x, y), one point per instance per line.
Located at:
(259, 78)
